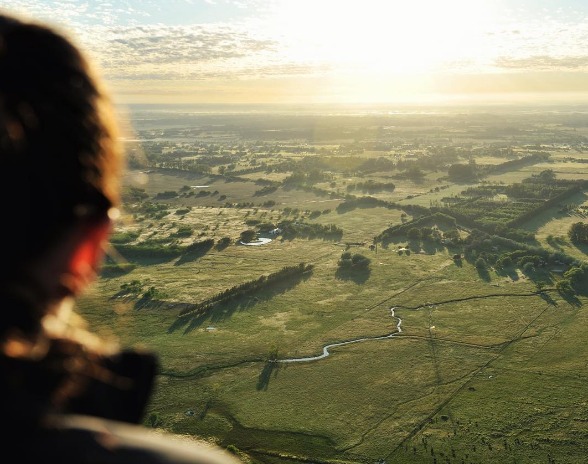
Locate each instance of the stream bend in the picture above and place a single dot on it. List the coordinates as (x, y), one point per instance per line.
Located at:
(326, 348)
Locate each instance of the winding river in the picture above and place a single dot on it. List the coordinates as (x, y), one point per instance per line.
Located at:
(326, 348)
(399, 329)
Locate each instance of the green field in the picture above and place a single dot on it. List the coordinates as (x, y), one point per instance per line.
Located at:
(483, 367)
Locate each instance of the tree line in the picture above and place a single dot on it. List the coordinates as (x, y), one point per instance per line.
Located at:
(247, 288)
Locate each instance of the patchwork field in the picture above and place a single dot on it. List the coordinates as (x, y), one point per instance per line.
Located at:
(437, 356)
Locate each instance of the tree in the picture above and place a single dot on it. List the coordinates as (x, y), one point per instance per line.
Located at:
(356, 261)
(414, 234)
(414, 172)
(360, 261)
(152, 293)
(577, 276)
(504, 261)
(132, 194)
(578, 232)
(154, 420)
(462, 171)
(452, 235)
(426, 232)
(345, 261)
(547, 175)
(540, 285)
(564, 286)
(248, 236)
(528, 267)
(223, 243)
(131, 288)
(481, 263)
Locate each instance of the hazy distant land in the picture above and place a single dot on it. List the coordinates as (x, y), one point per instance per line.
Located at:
(458, 218)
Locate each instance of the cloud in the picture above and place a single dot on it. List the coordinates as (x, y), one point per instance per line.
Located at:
(168, 51)
(195, 52)
(75, 14)
(543, 62)
(266, 39)
(180, 45)
(122, 38)
(200, 73)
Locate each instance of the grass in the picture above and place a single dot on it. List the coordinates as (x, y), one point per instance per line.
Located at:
(550, 227)
(361, 224)
(483, 371)
(313, 409)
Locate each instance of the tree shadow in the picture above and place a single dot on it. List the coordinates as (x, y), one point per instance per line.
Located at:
(509, 272)
(415, 180)
(359, 276)
(109, 271)
(539, 275)
(532, 241)
(414, 245)
(571, 299)
(191, 256)
(548, 215)
(145, 302)
(177, 324)
(431, 247)
(346, 207)
(190, 323)
(387, 241)
(557, 242)
(581, 289)
(195, 322)
(270, 367)
(220, 246)
(222, 312)
(141, 260)
(581, 247)
(548, 298)
(484, 274)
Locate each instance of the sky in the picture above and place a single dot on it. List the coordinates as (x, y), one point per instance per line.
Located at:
(328, 51)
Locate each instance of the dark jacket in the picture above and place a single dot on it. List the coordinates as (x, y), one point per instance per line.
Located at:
(98, 425)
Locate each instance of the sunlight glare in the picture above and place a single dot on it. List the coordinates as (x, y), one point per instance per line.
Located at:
(392, 37)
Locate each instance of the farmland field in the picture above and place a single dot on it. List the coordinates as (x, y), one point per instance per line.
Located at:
(458, 319)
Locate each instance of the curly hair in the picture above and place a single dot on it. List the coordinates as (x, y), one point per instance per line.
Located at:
(59, 148)
(60, 165)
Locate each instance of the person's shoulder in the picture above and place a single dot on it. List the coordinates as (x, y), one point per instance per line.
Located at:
(86, 439)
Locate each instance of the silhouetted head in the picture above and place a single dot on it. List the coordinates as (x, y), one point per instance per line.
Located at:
(59, 173)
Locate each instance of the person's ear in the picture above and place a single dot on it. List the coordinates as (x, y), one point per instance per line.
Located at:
(89, 251)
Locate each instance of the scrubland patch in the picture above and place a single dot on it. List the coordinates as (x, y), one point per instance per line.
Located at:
(486, 369)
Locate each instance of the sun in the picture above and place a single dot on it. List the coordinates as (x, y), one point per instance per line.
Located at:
(382, 36)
